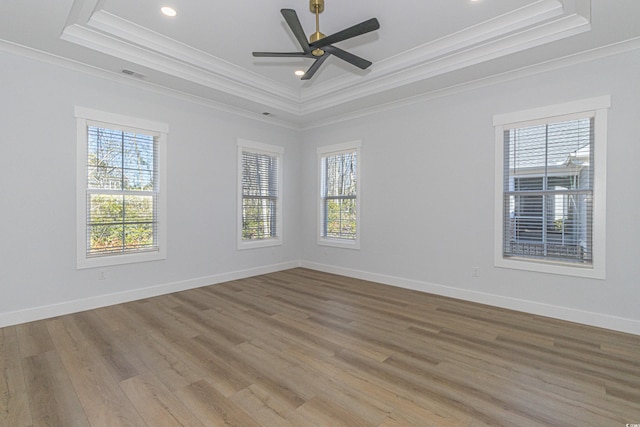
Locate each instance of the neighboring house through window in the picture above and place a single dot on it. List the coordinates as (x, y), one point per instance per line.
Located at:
(551, 189)
(339, 212)
(259, 194)
(121, 206)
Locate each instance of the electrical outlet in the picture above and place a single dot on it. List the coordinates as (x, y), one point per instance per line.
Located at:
(475, 271)
(102, 275)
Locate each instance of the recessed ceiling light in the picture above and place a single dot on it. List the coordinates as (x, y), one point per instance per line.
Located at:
(299, 73)
(169, 11)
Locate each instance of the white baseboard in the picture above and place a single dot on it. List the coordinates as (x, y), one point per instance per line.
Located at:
(45, 312)
(620, 324)
(563, 313)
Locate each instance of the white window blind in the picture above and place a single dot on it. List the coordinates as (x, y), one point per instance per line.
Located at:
(259, 195)
(339, 188)
(548, 191)
(122, 191)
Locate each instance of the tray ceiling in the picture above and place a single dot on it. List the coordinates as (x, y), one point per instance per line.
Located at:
(421, 47)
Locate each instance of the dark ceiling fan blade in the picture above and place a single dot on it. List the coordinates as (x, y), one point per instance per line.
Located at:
(281, 54)
(291, 17)
(358, 29)
(349, 57)
(314, 67)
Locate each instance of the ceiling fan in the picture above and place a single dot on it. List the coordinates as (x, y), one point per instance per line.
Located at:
(320, 46)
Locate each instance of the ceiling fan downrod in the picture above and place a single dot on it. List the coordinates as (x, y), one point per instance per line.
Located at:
(317, 7)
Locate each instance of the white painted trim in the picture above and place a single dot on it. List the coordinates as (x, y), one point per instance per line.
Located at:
(595, 107)
(120, 119)
(122, 79)
(254, 89)
(533, 25)
(85, 117)
(521, 118)
(53, 310)
(520, 73)
(621, 324)
(304, 121)
(631, 326)
(492, 39)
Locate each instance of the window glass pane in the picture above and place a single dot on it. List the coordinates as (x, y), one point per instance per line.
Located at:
(105, 239)
(105, 209)
(120, 160)
(138, 236)
(259, 175)
(119, 163)
(548, 191)
(138, 154)
(104, 158)
(139, 209)
(340, 217)
(528, 184)
(339, 196)
(120, 223)
(340, 174)
(258, 218)
(259, 195)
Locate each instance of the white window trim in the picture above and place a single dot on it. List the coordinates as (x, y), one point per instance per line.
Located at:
(598, 107)
(332, 150)
(83, 117)
(272, 150)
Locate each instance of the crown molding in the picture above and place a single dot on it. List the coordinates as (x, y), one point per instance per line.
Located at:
(305, 123)
(166, 46)
(619, 48)
(81, 67)
(521, 29)
(529, 26)
(111, 35)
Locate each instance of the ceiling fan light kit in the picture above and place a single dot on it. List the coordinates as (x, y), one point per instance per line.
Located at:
(320, 46)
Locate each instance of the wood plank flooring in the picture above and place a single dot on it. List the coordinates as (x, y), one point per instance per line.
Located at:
(304, 348)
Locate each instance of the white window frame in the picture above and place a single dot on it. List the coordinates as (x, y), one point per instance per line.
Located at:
(597, 108)
(333, 150)
(271, 150)
(84, 118)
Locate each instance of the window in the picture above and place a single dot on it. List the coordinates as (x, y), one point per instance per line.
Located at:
(550, 191)
(259, 194)
(339, 213)
(121, 206)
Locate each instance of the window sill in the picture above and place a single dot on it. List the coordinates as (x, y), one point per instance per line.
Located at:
(551, 267)
(339, 243)
(109, 260)
(263, 243)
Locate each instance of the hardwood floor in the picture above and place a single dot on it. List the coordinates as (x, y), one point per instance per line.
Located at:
(303, 348)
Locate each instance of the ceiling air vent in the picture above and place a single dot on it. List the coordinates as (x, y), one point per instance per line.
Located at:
(133, 74)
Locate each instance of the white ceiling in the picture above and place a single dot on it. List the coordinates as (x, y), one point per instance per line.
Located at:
(421, 47)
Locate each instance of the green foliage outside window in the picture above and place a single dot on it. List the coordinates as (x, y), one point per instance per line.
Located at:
(339, 196)
(341, 218)
(121, 198)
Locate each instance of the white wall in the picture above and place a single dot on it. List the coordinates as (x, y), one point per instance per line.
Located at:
(38, 275)
(428, 196)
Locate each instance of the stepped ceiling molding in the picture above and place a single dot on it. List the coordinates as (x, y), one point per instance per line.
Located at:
(421, 47)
